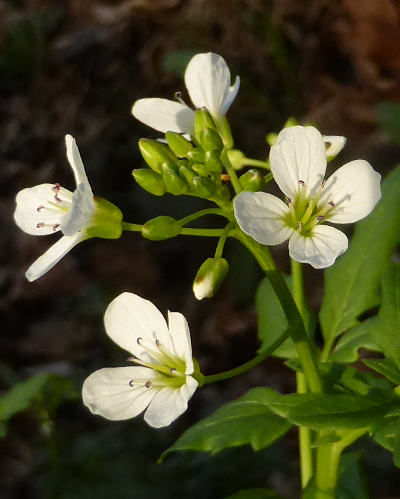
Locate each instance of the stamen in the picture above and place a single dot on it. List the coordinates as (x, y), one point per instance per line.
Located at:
(320, 218)
(139, 340)
(323, 184)
(56, 188)
(148, 384)
(299, 226)
(225, 177)
(331, 203)
(56, 226)
(173, 370)
(158, 342)
(40, 208)
(57, 199)
(288, 201)
(131, 383)
(302, 183)
(40, 225)
(131, 359)
(178, 97)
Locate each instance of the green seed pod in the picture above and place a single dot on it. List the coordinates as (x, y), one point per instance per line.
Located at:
(150, 181)
(156, 153)
(210, 140)
(178, 144)
(204, 187)
(202, 120)
(213, 161)
(196, 155)
(210, 277)
(173, 182)
(160, 228)
(252, 180)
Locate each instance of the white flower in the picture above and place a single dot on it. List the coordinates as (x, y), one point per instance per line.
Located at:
(162, 382)
(335, 144)
(208, 81)
(298, 163)
(49, 208)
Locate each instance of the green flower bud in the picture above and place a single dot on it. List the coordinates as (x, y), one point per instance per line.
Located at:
(187, 173)
(236, 158)
(178, 144)
(156, 153)
(196, 155)
(271, 138)
(202, 120)
(173, 182)
(252, 180)
(210, 277)
(150, 181)
(106, 221)
(204, 187)
(210, 140)
(201, 169)
(213, 161)
(160, 228)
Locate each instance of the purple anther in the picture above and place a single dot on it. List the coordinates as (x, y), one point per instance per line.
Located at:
(147, 384)
(56, 226)
(331, 203)
(301, 182)
(138, 341)
(40, 208)
(131, 383)
(288, 200)
(320, 218)
(323, 183)
(40, 225)
(158, 342)
(57, 198)
(56, 187)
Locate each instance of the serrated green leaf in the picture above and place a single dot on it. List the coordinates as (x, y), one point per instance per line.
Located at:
(352, 482)
(358, 337)
(255, 494)
(248, 420)
(351, 284)
(386, 332)
(386, 367)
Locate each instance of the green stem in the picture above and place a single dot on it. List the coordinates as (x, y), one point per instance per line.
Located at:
(186, 231)
(256, 162)
(131, 227)
(305, 437)
(230, 171)
(304, 347)
(327, 349)
(199, 214)
(247, 365)
(221, 243)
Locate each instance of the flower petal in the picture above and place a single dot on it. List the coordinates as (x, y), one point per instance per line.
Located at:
(164, 115)
(76, 163)
(180, 333)
(208, 80)
(321, 249)
(36, 205)
(335, 144)
(119, 393)
(81, 211)
(354, 189)
(53, 255)
(298, 156)
(169, 403)
(260, 215)
(129, 318)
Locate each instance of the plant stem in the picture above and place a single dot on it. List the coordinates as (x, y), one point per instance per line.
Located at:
(230, 171)
(304, 346)
(305, 437)
(256, 162)
(221, 243)
(247, 365)
(201, 213)
(186, 231)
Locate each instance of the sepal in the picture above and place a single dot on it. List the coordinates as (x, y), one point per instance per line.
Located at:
(252, 180)
(106, 220)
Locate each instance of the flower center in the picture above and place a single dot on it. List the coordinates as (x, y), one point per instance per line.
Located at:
(57, 206)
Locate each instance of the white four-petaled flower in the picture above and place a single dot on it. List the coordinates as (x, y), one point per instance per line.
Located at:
(298, 163)
(163, 381)
(48, 208)
(208, 81)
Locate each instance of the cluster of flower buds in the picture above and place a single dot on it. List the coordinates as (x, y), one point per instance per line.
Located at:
(183, 166)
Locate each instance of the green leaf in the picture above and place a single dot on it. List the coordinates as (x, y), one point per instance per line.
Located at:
(351, 284)
(387, 434)
(388, 115)
(335, 412)
(358, 337)
(352, 483)
(248, 420)
(254, 494)
(386, 367)
(386, 331)
(272, 322)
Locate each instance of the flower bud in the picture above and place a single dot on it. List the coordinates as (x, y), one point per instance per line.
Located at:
(210, 277)
(204, 187)
(196, 155)
(149, 180)
(202, 120)
(210, 140)
(106, 221)
(187, 173)
(252, 180)
(213, 161)
(173, 182)
(178, 144)
(201, 169)
(160, 228)
(236, 158)
(156, 153)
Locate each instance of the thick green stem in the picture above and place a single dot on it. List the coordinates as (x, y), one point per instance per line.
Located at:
(305, 436)
(247, 365)
(305, 348)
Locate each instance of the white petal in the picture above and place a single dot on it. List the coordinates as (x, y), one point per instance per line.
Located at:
(298, 155)
(354, 189)
(53, 255)
(164, 115)
(260, 215)
(75, 161)
(26, 214)
(81, 211)
(321, 249)
(108, 392)
(180, 333)
(129, 317)
(169, 403)
(208, 80)
(335, 144)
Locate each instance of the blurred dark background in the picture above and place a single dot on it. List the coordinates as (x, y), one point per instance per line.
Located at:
(76, 67)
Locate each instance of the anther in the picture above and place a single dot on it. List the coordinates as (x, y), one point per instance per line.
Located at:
(158, 342)
(302, 183)
(39, 208)
(148, 384)
(299, 226)
(56, 226)
(178, 95)
(57, 199)
(323, 184)
(331, 203)
(288, 200)
(131, 359)
(40, 225)
(320, 217)
(172, 370)
(131, 383)
(138, 341)
(56, 187)
(225, 177)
